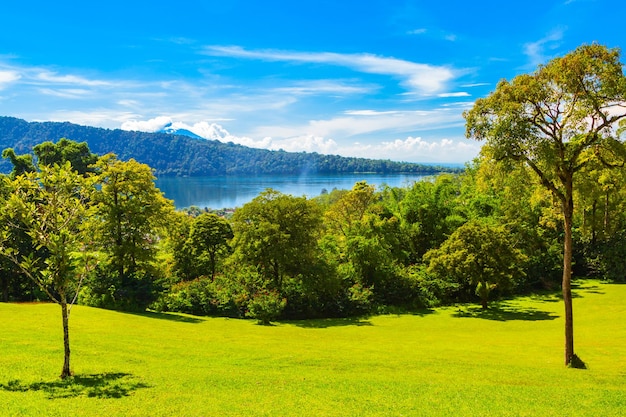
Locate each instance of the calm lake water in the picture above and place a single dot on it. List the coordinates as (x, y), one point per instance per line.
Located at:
(230, 192)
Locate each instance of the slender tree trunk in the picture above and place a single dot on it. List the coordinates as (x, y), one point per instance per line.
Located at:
(568, 215)
(66, 372)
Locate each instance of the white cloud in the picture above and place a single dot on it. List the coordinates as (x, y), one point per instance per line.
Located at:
(307, 143)
(474, 85)
(423, 78)
(152, 125)
(415, 149)
(459, 94)
(368, 122)
(105, 118)
(370, 112)
(419, 31)
(536, 51)
(325, 87)
(71, 93)
(52, 77)
(8, 77)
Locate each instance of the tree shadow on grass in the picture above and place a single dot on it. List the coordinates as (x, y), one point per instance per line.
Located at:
(106, 385)
(167, 316)
(505, 312)
(326, 323)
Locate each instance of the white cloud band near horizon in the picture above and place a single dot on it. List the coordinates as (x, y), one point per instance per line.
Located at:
(422, 78)
(411, 149)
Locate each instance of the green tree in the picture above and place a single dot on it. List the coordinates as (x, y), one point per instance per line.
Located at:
(278, 234)
(366, 238)
(428, 212)
(78, 154)
(208, 241)
(51, 205)
(130, 217)
(480, 255)
(555, 121)
(350, 207)
(13, 283)
(22, 164)
(182, 263)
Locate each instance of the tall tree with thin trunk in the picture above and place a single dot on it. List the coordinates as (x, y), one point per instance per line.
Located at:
(51, 207)
(555, 121)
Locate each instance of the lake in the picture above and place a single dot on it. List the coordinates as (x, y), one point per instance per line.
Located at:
(235, 191)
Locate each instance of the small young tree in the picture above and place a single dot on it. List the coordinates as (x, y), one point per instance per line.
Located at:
(51, 206)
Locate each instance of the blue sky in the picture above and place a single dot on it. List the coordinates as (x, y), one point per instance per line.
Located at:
(380, 79)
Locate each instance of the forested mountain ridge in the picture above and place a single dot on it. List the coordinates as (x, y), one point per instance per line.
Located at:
(181, 155)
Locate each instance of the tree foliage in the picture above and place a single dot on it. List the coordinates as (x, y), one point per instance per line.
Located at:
(208, 242)
(478, 254)
(130, 216)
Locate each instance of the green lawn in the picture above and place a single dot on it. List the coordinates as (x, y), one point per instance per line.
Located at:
(450, 361)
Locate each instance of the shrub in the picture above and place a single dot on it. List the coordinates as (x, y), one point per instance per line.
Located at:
(266, 306)
(104, 288)
(201, 297)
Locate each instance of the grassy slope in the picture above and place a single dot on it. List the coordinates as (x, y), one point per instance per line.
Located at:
(452, 361)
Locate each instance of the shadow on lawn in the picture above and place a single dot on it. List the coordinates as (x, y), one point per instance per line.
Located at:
(106, 385)
(505, 312)
(325, 323)
(167, 316)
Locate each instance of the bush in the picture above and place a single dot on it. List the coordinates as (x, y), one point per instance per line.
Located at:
(104, 288)
(360, 299)
(266, 306)
(201, 297)
(607, 259)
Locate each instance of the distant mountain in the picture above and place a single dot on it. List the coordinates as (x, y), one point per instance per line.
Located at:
(170, 130)
(172, 153)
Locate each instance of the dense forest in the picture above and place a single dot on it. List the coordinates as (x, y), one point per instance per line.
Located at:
(544, 202)
(472, 237)
(181, 155)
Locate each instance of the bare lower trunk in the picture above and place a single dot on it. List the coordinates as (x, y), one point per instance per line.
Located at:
(568, 214)
(66, 338)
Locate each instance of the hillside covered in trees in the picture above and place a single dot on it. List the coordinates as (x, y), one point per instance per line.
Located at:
(181, 155)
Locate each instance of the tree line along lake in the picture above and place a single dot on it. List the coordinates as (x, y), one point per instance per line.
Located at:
(218, 192)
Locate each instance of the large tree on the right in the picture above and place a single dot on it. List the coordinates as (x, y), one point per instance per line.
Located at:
(555, 121)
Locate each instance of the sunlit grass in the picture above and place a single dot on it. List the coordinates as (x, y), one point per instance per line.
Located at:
(450, 361)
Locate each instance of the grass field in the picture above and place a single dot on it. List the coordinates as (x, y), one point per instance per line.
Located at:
(450, 361)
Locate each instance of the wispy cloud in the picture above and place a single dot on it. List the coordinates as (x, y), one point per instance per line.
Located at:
(423, 78)
(70, 93)
(457, 94)
(8, 77)
(332, 87)
(537, 52)
(52, 77)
